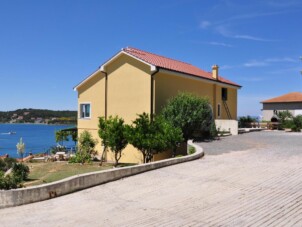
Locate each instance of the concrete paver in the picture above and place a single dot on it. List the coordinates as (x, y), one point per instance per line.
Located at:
(252, 180)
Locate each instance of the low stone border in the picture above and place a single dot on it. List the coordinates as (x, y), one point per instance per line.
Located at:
(33, 194)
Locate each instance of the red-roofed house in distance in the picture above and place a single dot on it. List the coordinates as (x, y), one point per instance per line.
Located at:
(291, 102)
(135, 81)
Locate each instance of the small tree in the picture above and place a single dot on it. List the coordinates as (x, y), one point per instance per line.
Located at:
(21, 148)
(61, 136)
(172, 135)
(86, 147)
(112, 133)
(139, 135)
(191, 113)
(152, 137)
(74, 136)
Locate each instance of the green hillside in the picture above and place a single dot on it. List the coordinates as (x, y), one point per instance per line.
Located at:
(39, 116)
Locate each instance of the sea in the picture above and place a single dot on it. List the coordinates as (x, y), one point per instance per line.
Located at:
(38, 138)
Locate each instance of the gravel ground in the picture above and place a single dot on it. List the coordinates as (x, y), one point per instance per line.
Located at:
(255, 140)
(253, 179)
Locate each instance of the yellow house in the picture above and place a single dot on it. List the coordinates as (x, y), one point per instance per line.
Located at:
(135, 81)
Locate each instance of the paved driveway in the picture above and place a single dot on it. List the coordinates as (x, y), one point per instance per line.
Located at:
(247, 180)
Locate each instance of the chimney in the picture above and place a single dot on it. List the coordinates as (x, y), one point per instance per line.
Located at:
(215, 72)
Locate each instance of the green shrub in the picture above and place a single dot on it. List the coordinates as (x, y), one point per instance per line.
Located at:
(3, 166)
(85, 148)
(245, 122)
(192, 150)
(9, 182)
(213, 131)
(7, 163)
(287, 124)
(192, 114)
(20, 171)
(284, 115)
(80, 157)
(297, 123)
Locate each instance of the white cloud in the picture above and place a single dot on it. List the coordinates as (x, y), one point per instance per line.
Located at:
(292, 70)
(204, 24)
(255, 63)
(225, 31)
(285, 59)
(283, 4)
(268, 61)
(227, 67)
(249, 37)
(220, 44)
(212, 43)
(223, 26)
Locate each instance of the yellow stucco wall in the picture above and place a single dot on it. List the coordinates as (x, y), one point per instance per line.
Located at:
(93, 92)
(231, 102)
(129, 84)
(168, 85)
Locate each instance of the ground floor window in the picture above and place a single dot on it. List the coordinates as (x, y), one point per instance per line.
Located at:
(85, 110)
(218, 110)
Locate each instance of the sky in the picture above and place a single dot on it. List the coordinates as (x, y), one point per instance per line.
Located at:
(47, 47)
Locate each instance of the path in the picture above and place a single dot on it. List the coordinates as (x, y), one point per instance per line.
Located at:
(261, 186)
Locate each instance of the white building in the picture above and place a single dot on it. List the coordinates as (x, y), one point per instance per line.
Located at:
(291, 102)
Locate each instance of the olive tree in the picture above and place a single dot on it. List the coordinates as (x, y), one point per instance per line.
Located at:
(112, 133)
(192, 114)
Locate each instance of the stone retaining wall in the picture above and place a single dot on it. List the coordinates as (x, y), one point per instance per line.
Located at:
(22, 196)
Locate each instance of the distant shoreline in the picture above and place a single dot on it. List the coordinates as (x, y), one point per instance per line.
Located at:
(33, 124)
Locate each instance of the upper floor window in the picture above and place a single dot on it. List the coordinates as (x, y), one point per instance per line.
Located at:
(224, 94)
(85, 110)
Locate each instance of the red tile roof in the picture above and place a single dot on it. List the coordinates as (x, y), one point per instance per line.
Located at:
(174, 65)
(290, 97)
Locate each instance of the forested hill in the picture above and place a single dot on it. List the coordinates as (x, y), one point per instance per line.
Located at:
(39, 116)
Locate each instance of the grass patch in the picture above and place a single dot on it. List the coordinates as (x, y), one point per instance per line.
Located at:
(41, 173)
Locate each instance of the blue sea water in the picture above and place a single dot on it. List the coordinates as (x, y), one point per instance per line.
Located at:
(37, 138)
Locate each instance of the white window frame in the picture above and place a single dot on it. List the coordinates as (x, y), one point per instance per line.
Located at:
(80, 112)
(218, 110)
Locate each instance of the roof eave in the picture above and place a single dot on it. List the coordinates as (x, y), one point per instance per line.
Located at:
(201, 78)
(86, 79)
(264, 102)
(102, 68)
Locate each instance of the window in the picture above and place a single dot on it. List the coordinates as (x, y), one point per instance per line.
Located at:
(218, 111)
(85, 110)
(224, 94)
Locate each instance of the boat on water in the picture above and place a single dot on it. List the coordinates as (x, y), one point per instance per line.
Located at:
(8, 133)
